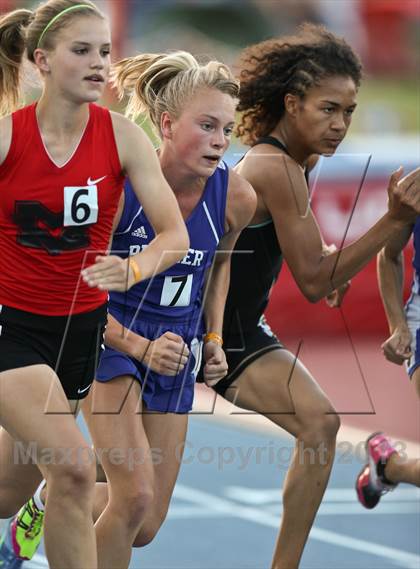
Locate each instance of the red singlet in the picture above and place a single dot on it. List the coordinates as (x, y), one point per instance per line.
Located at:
(55, 220)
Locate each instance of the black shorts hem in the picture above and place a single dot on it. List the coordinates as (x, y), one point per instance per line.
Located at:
(223, 385)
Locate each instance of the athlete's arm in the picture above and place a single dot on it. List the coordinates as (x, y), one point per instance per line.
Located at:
(281, 185)
(336, 297)
(140, 163)
(240, 207)
(5, 137)
(391, 282)
(166, 355)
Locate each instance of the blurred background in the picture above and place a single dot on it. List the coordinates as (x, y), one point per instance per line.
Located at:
(340, 347)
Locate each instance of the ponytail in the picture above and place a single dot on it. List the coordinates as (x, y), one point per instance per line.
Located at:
(12, 48)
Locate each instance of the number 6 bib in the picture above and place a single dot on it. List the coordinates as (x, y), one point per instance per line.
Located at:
(80, 205)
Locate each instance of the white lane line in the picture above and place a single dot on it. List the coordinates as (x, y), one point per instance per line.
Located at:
(336, 501)
(184, 512)
(179, 511)
(255, 515)
(356, 509)
(259, 496)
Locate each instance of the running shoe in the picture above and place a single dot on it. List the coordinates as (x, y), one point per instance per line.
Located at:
(372, 483)
(26, 530)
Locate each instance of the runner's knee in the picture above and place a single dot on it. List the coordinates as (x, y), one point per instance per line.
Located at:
(321, 428)
(132, 505)
(149, 531)
(74, 480)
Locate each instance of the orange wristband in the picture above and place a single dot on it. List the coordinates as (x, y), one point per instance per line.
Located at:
(213, 337)
(135, 268)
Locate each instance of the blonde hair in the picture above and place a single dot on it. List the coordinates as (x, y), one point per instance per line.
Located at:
(163, 82)
(22, 30)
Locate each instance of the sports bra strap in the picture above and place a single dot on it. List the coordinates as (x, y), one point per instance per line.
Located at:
(276, 142)
(273, 141)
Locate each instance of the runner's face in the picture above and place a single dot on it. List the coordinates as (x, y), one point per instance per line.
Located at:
(79, 64)
(324, 115)
(202, 133)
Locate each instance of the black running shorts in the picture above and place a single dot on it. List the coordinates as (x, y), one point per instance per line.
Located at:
(242, 350)
(70, 346)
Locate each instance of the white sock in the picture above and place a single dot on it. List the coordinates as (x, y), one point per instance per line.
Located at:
(37, 497)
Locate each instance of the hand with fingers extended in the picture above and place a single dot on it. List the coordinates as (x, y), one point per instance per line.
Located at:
(397, 349)
(167, 355)
(110, 272)
(404, 195)
(215, 367)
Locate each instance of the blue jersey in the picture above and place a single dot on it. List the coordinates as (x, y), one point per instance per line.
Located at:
(416, 256)
(412, 308)
(175, 294)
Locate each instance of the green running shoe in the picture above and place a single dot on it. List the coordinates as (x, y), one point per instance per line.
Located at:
(27, 530)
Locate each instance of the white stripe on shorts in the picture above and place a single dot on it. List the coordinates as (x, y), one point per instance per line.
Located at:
(412, 310)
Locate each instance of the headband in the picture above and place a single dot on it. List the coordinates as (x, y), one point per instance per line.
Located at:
(69, 9)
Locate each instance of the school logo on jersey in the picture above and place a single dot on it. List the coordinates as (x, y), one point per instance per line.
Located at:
(139, 232)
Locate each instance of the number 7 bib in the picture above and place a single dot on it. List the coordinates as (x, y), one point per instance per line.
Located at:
(176, 291)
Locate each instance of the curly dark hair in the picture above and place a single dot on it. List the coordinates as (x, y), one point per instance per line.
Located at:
(271, 69)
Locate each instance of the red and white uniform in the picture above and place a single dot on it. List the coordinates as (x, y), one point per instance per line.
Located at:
(55, 220)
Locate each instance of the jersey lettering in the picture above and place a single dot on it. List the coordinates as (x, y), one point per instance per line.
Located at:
(134, 249)
(41, 228)
(193, 258)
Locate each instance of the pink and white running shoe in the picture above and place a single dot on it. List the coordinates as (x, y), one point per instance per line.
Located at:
(372, 483)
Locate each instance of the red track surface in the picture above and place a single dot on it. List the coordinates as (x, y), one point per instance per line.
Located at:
(342, 350)
(370, 393)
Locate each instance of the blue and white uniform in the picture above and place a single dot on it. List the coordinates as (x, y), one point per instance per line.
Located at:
(412, 307)
(172, 300)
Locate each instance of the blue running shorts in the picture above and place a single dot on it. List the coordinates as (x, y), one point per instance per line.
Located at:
(167, 394)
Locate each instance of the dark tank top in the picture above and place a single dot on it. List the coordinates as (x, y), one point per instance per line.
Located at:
(256, 264)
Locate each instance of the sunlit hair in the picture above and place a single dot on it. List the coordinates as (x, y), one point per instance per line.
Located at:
(156, 83)
(21, 31)
(271, 69)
